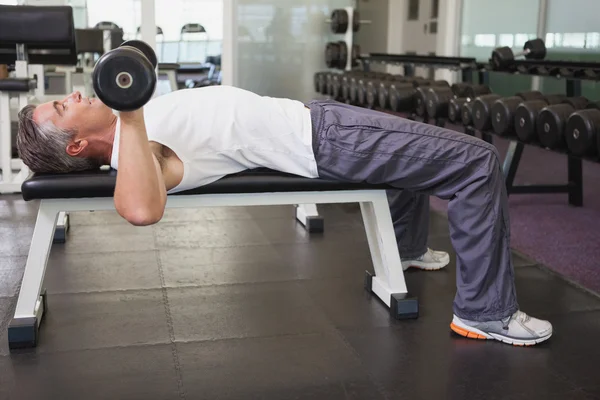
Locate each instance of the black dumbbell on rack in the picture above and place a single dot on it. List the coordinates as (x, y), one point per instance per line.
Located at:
(383, 92)
(346, 83)
(401, 96)
(336, 54)
(363, 85)
(374, 87)
(439, 98)
(582, 133)
(482, 106)
(124, 78)
(466, 113)
(503, 111)
(526, 114)
(421, 91)
(552, 120)
(466, 93)
(502, 57)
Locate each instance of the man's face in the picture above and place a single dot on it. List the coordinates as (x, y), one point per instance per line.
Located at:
(74, 112)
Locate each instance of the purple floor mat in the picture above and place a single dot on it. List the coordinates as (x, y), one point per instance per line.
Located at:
(545, 227)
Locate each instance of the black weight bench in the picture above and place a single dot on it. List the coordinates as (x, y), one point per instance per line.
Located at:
(94, 190)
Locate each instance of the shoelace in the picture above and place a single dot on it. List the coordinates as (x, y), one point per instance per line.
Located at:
(519, 316)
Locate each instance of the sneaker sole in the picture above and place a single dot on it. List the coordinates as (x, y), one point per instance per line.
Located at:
(427, 266)
(474, 333)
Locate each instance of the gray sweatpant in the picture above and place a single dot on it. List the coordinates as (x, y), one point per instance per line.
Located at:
(360, 145)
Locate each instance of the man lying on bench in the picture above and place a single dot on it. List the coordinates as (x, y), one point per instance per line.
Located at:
(190, 138)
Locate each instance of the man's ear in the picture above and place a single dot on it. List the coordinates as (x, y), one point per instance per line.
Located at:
(76, 147)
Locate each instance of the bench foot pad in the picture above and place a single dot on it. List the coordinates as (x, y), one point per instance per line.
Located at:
(402, 305)
(23, 332)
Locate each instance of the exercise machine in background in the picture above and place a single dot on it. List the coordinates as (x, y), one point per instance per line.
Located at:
(29, 50)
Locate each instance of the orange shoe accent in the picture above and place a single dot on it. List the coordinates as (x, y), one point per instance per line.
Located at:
(466, 333)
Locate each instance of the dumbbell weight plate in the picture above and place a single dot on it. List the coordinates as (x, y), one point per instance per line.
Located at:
(421, 101)
(372, 93)
(317, 77)
(361, 93)
(582, 131)
(503, 111)
(355, 54)
(401, 96)
(336, 86)
(355, 21)
(472, 91)
(482, 111)
(552, 121)
(454, 109)
(383, 94)
(525, 119)
(332, 55)
(536, 49)
(144, 48)
(124, 79)
(343, 51)
(437, 101)
(339, 21)
(466, 113)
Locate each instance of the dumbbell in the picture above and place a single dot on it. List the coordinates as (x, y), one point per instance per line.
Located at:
(465, 93)
(336, 86)
(375, 87)
(482, 107)
(473, 91)
(526, 114)
(583, 132)
(340, 20)
(552, 119)
(503, 110)
(532, 50)
(346, 83)
(439, 97)
(454, 108)
(421, 95)
(383, 92)
(466, 113)
(317, 81)
(124, 78)
(401, 96)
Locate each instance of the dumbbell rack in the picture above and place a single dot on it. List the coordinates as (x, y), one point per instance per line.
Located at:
(573, 72)
(410, 61)
(466, 65)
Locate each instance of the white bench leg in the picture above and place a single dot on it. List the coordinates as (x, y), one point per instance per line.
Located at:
(23, 329)
(388, 282)
(308, 215)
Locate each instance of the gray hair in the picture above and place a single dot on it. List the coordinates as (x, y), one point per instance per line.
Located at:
(43, 147)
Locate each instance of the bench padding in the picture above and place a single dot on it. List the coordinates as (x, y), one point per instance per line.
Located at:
(101, 183)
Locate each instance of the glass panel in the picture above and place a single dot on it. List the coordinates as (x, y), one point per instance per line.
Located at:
(125, 13)
(173, 45)
(573, 34)
(280, 45)
(487, 24)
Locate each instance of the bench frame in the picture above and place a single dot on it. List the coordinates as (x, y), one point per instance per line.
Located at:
(388, 283)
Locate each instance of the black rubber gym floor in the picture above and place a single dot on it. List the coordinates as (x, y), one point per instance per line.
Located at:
(244, 304)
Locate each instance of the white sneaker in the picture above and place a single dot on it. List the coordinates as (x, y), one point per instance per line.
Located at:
(429, 261)
(519, 329)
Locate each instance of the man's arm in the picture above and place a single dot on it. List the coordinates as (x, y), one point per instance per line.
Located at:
(140, 193)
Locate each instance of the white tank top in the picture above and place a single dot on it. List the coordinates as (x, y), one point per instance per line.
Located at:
(221, 130)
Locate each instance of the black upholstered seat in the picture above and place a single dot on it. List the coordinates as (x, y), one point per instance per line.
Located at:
(101, 183)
